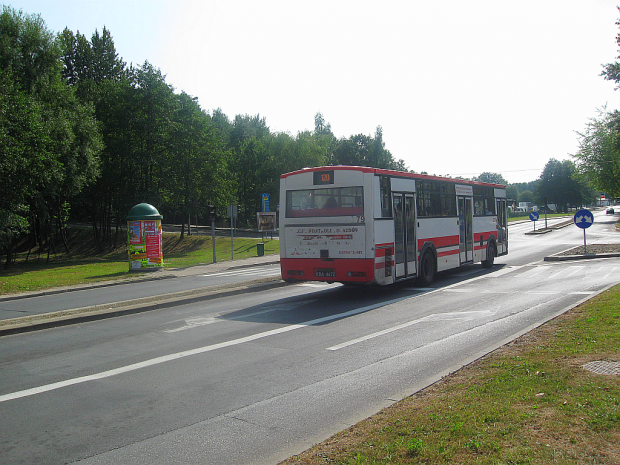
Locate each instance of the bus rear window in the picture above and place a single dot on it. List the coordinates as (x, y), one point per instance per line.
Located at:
(335, 201)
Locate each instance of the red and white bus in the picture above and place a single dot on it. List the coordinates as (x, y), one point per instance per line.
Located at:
(354, 224)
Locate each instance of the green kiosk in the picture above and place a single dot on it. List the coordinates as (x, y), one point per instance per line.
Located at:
(144, 238)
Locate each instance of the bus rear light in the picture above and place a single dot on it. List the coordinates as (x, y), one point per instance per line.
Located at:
(296, 272)
(356, 274)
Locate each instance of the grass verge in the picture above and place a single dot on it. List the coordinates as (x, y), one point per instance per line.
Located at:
(529, 402)
(85, 264)
(542, 216)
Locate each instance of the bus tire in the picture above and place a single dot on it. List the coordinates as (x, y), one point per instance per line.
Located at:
(491, 254)
(428, 268)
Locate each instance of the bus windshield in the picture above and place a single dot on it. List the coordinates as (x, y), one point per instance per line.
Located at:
(333, 201)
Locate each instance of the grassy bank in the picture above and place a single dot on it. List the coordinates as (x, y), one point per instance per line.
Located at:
(85, 263)
(529, 402)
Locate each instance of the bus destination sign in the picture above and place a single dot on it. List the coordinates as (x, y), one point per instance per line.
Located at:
(323, 177)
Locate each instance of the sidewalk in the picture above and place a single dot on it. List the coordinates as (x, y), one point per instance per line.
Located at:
(77, 315)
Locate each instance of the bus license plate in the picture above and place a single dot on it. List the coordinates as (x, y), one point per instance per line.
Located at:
(329, 273)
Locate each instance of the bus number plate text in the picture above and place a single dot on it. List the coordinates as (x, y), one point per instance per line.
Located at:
(328, 273)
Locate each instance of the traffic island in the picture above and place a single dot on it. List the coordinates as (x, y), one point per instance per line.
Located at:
(539, 231)
(591, 251)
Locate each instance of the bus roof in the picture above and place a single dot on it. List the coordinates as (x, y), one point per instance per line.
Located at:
(404, 174)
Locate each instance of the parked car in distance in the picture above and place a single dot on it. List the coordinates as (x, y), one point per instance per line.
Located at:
(610, 210)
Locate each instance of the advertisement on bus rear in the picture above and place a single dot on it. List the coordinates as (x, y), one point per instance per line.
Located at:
(338, 241)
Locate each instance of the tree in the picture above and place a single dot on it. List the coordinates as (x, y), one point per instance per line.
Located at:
(494, 178)
(611, 71)
(355, 151)
(560, 185)
(325, 139)
(598, 157)
(321, 128)
(50, 142)
(512, 193)
(362, 150)
(197, 171)
(106, 63)
(526, 196)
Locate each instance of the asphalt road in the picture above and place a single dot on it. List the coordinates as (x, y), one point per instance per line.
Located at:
(255, 377)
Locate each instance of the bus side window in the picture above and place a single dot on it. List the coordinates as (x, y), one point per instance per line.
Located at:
(386, 204)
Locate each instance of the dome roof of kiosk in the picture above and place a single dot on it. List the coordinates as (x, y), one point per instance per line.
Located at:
(143, 211)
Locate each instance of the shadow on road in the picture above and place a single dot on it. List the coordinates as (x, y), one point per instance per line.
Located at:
(332, 302)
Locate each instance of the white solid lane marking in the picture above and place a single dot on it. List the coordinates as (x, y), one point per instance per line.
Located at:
(186, 353)
(607, 275)
(433, 317)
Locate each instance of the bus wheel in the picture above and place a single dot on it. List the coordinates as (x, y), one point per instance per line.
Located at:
(491, 253)
(427, 268)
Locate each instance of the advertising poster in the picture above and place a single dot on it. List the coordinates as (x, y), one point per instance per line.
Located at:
(153, 246)
(135, 232)
(266, 221)
(150, 227)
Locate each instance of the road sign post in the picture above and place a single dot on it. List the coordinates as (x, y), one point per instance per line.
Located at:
(232, 211)
(212, 216)
(583, 219)
(534, 217)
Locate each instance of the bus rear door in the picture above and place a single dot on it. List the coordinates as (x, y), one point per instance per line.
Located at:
(404, 234)
(502, 224)
(466, 230)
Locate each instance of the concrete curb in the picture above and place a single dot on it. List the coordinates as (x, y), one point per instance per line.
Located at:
(550, 228)
(99, 312)
(560, 258)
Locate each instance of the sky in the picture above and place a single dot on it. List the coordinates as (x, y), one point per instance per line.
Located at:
(458, 87)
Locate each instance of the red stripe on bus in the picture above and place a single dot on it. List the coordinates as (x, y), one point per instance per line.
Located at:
(448, 252)
(439, 242)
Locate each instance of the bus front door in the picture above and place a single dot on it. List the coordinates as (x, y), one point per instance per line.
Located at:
(466, 230)
(404, 234)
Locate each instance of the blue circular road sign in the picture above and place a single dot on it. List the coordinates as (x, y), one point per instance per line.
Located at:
(583, 219)
(534, 216)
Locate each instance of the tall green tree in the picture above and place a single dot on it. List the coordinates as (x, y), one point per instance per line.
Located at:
(59, 139)
(98, 75)
(354, 151)
(248, 142)
(325, 139)
(363, 150)
(598, 157)
(611, 71)
(197, 174)
(560, 184)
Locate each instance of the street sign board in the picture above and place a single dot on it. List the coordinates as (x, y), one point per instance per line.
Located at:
(265, 202)
(583, 219)
(534, 216)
